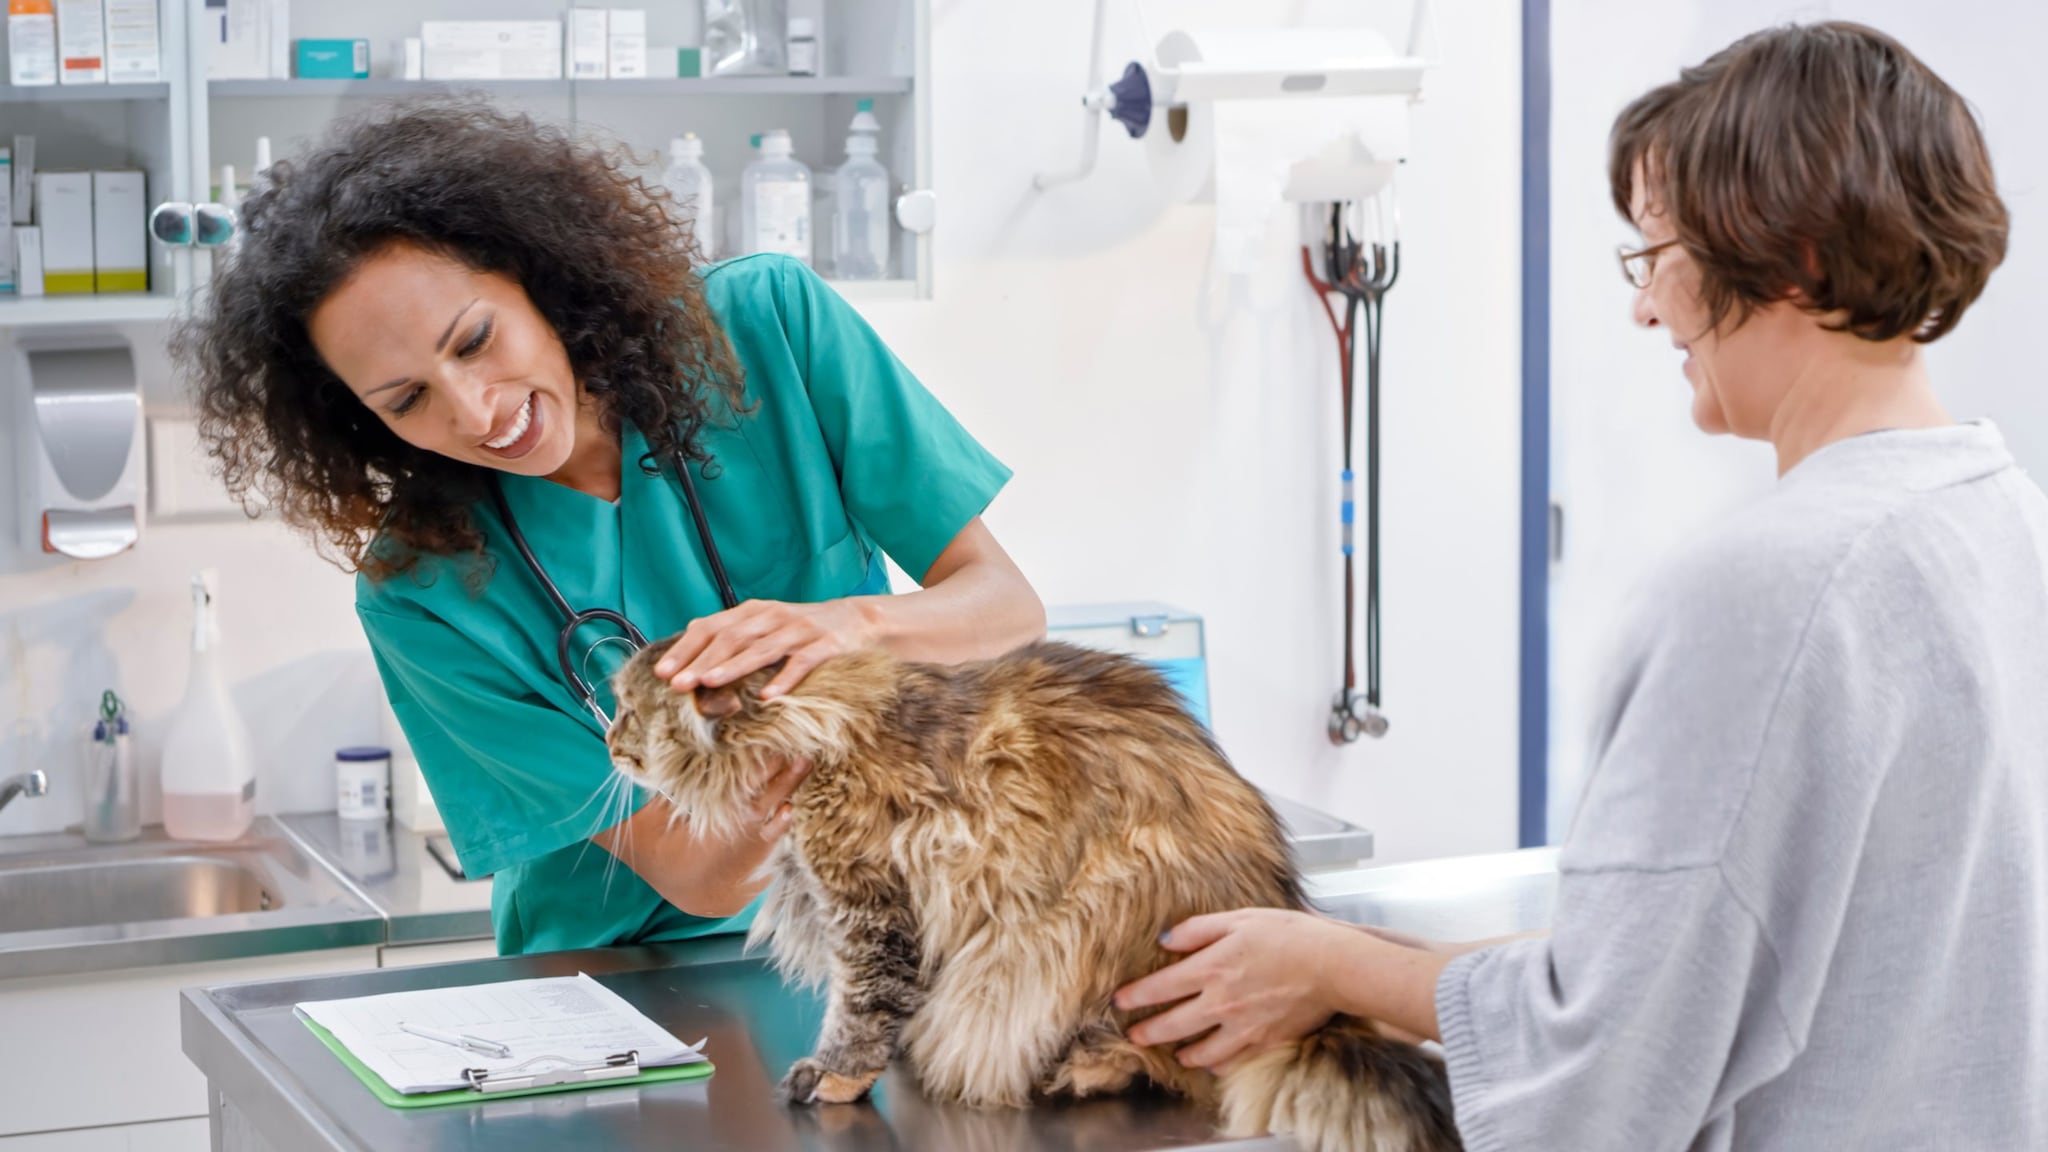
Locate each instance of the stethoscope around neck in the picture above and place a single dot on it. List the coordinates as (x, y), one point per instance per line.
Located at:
(573, 620)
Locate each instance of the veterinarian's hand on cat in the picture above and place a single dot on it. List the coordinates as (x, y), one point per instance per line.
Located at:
(1263, 976)
(718, 649)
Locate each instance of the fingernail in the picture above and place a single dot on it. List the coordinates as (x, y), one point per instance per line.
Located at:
(664, 669)
(1166, 938)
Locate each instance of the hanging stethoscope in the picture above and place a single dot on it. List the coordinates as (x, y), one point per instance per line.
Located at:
(572, 620)
(1360, 272)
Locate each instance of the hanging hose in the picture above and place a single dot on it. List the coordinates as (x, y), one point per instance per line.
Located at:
(1360, 273)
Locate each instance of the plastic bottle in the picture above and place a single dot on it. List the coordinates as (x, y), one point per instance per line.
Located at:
(209, 778)
(860, 213)
(689, 184)
(775, 200)
(259, 176)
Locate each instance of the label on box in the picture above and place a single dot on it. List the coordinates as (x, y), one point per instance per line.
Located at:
(333, 59)
(31, 43)
(133, 47)
(64, 207)
(120, 238)
(81, 42)
(628, 44)
(492, 49)
(587, 43)
(28, 261)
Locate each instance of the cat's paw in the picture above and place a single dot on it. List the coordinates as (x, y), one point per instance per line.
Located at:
(810, 1082)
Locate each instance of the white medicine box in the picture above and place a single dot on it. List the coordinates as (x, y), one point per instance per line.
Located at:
(587, 43)
(626, 36)
(120, 232)
(64, 202)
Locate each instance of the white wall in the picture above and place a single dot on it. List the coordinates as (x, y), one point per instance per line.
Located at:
(1155, 458)
(1634, 475)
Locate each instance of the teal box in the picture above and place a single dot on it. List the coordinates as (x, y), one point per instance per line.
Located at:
(1168, 638)
(332, 59)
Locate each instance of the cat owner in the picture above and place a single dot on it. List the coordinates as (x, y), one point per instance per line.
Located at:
(445, 316)
(1804, 902)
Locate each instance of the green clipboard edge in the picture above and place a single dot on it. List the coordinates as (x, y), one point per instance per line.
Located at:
(392, 1098)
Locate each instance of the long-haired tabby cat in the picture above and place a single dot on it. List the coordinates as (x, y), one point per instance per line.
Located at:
(983, 854)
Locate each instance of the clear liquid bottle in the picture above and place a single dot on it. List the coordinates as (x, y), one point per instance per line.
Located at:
(775, 201)
(860, 213)
(209, 777)
(689, 184)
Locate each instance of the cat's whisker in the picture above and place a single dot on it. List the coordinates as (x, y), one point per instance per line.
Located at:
(601, 796)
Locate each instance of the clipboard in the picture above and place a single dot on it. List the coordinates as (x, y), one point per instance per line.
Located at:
(621, 1069)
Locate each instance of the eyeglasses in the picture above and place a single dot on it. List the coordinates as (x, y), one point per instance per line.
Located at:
(1639, 264)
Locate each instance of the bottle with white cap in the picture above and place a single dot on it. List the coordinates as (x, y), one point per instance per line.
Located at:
(860, 212)
(775, 200)
(689, 185)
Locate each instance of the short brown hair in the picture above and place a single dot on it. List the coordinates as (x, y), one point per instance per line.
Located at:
(1826, 159)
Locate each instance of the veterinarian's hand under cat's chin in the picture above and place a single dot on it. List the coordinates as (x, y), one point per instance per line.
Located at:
(1257, 976)
(718, 649)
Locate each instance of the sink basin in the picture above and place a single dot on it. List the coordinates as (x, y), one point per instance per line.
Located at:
(70, 906)
(121, 891)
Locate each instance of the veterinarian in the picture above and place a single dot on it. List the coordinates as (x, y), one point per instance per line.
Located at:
(443, 300)
(1804, 904)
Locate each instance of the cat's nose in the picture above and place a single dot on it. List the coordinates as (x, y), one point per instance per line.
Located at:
(716, 703)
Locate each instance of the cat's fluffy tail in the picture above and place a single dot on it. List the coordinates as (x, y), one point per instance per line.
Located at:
(1344, 1088)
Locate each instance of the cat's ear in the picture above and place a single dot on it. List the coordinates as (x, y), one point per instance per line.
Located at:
(717, 703)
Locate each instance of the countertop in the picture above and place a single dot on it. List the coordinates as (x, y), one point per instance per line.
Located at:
(390, 867)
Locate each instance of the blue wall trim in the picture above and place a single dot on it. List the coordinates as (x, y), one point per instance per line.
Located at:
(1535, 628)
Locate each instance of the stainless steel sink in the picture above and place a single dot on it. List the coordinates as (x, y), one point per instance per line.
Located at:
(120, 891)
(70, 906)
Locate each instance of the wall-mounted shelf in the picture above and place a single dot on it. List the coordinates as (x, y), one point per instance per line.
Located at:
(112, 308)
(674, 86)
(72, 93)
(870, 291)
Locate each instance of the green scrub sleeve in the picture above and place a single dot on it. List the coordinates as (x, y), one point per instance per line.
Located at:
(909, 474)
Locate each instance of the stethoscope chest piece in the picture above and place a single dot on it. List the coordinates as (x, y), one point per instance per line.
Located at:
(1351, 717)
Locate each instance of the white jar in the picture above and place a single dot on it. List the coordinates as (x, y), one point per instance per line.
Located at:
(362, 783)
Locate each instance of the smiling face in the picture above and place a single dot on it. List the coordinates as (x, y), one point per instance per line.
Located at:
(457, 362)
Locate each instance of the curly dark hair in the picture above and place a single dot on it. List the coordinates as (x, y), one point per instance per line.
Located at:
(597, 250)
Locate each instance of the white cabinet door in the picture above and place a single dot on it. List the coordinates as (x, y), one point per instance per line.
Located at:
(189, 1135)
(56, 1025)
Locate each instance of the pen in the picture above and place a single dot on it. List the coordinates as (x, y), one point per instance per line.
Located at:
(475, 1044)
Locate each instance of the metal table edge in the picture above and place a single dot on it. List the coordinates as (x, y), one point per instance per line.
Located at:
(229, 1058)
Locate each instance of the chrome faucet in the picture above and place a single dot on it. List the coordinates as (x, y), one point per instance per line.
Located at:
(23, 784)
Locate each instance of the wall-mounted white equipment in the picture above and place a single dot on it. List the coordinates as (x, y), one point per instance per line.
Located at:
(1190, 69)
(81, 449)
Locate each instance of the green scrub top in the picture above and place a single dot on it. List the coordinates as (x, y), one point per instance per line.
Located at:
(841, 455)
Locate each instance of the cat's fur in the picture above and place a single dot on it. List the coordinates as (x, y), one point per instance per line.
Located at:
(983, 854)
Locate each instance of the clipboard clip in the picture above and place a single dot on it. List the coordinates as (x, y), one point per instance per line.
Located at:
(623, 1066)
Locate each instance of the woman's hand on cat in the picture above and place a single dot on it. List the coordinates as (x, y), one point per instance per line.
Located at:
(1257, 978)
(718, 649)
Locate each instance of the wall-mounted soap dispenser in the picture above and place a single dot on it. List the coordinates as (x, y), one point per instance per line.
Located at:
(81, 450)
